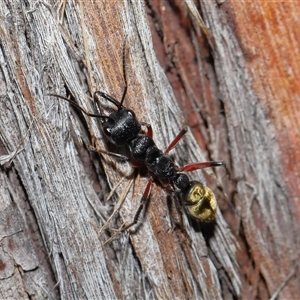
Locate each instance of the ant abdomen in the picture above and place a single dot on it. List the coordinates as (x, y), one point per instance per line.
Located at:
(200, 201)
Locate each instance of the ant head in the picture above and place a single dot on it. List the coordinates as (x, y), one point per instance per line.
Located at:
(200, 201)
(121, 126)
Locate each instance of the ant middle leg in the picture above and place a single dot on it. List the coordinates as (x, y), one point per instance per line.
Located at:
(193, 166)
(201, 165)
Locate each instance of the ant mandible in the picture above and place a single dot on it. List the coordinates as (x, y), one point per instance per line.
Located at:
(122, 128)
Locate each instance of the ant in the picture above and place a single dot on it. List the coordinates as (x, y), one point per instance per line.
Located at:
(122, 128)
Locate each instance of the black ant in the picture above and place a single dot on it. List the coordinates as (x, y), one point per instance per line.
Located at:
(122, 128)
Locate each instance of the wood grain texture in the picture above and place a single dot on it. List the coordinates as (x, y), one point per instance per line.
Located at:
(241, 101)
(56, 186)
(270, 207)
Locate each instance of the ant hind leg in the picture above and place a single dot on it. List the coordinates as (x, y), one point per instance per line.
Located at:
(143, 203)
(180, 209)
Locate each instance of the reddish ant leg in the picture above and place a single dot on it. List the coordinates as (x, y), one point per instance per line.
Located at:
(180, 208)
(135, 163)
(200, 165)
(176, 140)
(149, 129)
(143, 201)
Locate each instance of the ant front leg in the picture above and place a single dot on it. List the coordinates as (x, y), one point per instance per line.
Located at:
(143, 202)
(113, 154)
(176, 140)
(149, 129)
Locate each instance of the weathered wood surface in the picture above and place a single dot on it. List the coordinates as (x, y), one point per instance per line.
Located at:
(257, 63)
(52, 195)
(248, 99)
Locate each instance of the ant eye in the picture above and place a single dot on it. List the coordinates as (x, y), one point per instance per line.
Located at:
(107, 131)
(130, 112)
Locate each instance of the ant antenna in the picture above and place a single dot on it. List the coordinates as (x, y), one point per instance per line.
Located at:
(118, 104)
(79, 107)
(124, 73)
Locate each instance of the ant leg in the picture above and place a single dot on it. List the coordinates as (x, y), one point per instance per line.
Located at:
(142, 204)
(178, 203)
(149, 129)
(176, 140)
(121, 157)
(113, 154)
(180, 208)
(201, 165)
